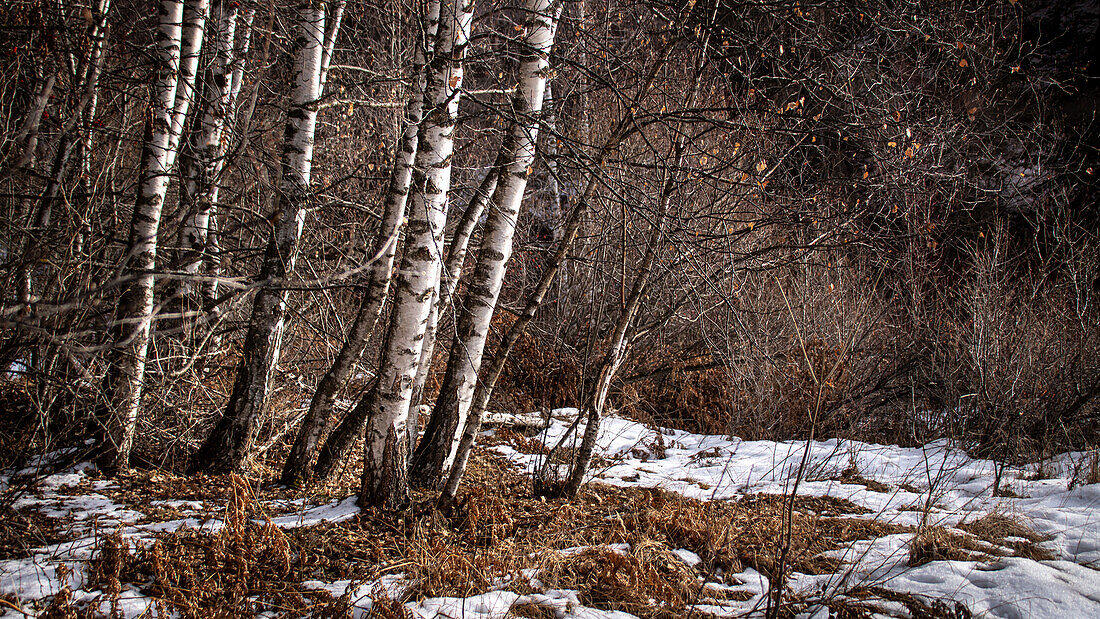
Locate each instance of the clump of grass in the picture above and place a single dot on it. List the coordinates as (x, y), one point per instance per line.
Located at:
(746, 533)
(1010, 533)
(939, 544)
(627, 581)
(852, 475)
(247, 566)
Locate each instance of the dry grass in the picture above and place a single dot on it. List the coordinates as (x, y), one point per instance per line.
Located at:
(1010, 533)
(852, 475)
(21, 531)
(991, 536)
(941, 544)
(496, 533)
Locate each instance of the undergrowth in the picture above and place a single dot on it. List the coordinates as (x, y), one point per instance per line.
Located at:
(497, 536)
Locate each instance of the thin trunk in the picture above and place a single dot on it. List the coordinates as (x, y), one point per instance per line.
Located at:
(228, 446)
(441, 300)
(211, 262)
(339, 443)
(299, 464)
(488, 380)
(385, 452)
(89, 71)
(135, 308)
(619, 346)
(436, 451)
(195, 13)
(26, 139)
(557, 214)
(619, 341)
(202, 162)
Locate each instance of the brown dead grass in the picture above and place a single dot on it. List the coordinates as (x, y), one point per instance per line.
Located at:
(941, 544)
(997, 528)
(497, 530)
(863, 603)
(22, 531)
(852, 475)
(984, 539)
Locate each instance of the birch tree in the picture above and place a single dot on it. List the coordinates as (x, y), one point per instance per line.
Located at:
(448, 283)
(135, 308)
(203, 161)
(385, 457)
(299, 464)
(227, 448)
(436, 451)
(489, 376)
(339, 443)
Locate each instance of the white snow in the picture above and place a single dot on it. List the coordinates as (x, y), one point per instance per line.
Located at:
(942, 485)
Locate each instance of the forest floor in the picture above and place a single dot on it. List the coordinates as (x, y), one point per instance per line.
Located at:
(673, 524)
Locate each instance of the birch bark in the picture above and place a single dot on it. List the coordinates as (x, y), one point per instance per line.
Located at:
(339, 443)
(385, 457)
(437, 450)
(489, 377)
(202, 162)
(299, 464)
(227, 448)
(195, 13)
(441, 300)
(135, 308)
(210, 260)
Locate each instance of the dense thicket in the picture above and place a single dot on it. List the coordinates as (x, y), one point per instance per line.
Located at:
(776, 219)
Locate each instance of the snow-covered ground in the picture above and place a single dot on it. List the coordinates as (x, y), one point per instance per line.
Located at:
(937, 484)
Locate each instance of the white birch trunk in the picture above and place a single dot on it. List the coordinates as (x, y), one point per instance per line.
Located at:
(449, 414)
(203, 164)
(340, 442)
(299, 464)
(135, 308)
(228, 446)
(195, 13)
(211, 262)
(385, 456)
(448, 283)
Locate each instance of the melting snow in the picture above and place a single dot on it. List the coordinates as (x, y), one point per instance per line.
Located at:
(937, 482)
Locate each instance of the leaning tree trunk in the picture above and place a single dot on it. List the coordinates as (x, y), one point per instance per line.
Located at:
(201, 162)
(195, 13)
(436, 451)
(211, 262)
(89, 70)
(489, 378)
(448, 283)
(385, 452)
(228, 446)
(339, 443)
(298, 468)
(620, 343)
(133, 318)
